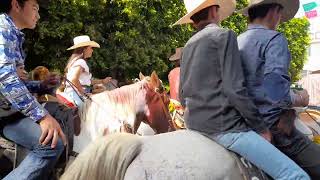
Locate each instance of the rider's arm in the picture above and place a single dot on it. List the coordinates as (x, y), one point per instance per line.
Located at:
(38, 87)
(96, 81)
(33, 86)
(233, 82)
(11, 86)
(77, 70)
(276, 76)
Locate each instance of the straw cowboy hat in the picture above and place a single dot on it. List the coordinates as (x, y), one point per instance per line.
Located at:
(83, 41)
(227, 7)
(290, 7)
(177, 55)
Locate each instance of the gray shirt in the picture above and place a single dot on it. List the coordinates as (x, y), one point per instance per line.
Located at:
(212, 84)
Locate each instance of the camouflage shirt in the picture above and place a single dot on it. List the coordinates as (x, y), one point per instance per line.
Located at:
(12, 89)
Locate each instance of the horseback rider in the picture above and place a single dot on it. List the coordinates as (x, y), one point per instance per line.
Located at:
(266, 58)
(213, 92)
(78, 77)
(29, 124)
(174, 75)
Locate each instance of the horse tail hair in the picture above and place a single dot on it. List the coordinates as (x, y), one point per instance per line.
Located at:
(106, 158)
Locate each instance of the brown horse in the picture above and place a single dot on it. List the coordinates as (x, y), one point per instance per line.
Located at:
(158, 125)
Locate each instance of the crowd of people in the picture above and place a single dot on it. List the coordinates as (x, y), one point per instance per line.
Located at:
(235, 90)
(34, 128)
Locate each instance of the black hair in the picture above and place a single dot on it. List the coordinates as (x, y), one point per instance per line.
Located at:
(261, 11)
(201, 15)
(5, 5)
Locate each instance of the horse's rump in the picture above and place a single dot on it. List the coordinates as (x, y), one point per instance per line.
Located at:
(184, 154)
(181, 154)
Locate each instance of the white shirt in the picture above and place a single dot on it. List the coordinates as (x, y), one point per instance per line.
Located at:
(85, 76)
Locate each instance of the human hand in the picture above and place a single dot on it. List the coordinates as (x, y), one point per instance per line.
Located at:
(51, 131)
(22, 73)
(24, 76)
(106, 80)
(51, 81)
(304, 97)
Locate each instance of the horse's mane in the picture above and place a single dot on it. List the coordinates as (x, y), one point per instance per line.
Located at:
(106, 158)
(119, 105)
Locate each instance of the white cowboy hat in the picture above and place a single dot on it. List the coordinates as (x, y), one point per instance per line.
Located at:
(83, 41)
(290, 7)
(177, 55)
(227, 7)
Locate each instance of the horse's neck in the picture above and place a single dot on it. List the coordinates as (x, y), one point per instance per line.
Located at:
(113, 108)
(131, 97)
(121, 97)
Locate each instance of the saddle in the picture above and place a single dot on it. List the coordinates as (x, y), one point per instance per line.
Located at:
(311, 118)
(248, 170)
(67, 105)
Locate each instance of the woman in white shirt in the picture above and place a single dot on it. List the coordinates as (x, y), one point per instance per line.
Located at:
(79, 78)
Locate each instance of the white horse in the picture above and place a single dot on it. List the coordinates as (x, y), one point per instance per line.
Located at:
(179, 155)
(122, 110)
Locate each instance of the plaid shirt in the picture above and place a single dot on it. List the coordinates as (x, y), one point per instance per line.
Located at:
(12, 88)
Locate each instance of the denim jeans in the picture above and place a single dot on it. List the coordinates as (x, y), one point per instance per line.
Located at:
(41, 158)
(264, 155)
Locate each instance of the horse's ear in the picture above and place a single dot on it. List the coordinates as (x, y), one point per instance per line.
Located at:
(141, 76)
(155, 79)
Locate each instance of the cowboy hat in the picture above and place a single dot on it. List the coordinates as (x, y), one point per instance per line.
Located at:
(227, 7)
(83, 41)
(177, 55)
(290, 7)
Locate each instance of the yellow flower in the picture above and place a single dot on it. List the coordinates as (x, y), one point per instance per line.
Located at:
(316, 139)
(171, 107)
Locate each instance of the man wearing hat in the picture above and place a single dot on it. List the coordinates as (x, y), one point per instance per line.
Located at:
(35, 129)
(266, 58)
(213, 92)
(174, 75)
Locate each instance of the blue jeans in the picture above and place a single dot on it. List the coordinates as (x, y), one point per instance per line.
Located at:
(40, 160)
(264, 155)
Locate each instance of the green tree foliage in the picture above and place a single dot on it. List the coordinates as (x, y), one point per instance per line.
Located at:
(296, 31)
(134, 35)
